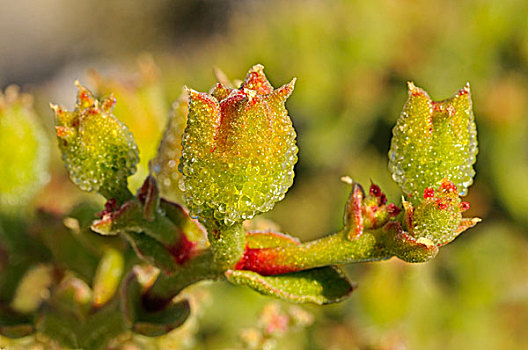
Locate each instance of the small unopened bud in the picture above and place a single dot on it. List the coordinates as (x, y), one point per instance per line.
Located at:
(433, 141)
(238, 149)
(99, 151)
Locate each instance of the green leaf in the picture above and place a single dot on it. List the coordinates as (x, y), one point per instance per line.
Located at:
(324, 285)
(101, 327)
(71, 253)
(158, 323)
(107, 276)
(93, 332)
(60, 326)
(152, 251)
(179, 216)
(15, 325)
(146, 322)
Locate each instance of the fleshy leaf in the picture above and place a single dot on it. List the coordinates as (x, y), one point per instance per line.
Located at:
(70, 331)
(71, 253)
(152, 251)
(15, 325)
(150, 323)
(63, 327)
(24, 151)
(98, 150)
(433, 141)
(74, 295)
(161, 232)
(161, 322)
(141, 214)
(107, 276)
(35, 283)
(179, 216)
(238, 150)
(324, 285)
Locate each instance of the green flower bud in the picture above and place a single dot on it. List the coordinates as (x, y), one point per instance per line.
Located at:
(142, 108)
(98, 150)
(434, 141)
(24, 151)
(238, 149)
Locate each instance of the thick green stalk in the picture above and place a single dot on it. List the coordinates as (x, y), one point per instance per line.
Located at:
(336, 249)
(228, 244)
(330, 250)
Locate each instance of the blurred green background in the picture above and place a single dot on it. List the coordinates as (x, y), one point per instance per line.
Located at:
(352, 60)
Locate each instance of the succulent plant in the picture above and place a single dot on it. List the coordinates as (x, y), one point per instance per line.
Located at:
(236, 160)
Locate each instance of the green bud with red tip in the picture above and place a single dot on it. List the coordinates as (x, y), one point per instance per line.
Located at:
(142, 108)
(238, 150)
(434, 141)
(99, 151)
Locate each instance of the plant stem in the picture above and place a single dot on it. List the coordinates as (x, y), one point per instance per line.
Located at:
(228, 243)
(330, 250)
(200, 267)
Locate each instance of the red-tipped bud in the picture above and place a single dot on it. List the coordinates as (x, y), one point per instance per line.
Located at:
(432, 141)
(238, 150)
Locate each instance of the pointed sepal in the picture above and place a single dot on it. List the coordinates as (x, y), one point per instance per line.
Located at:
(366, 211)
